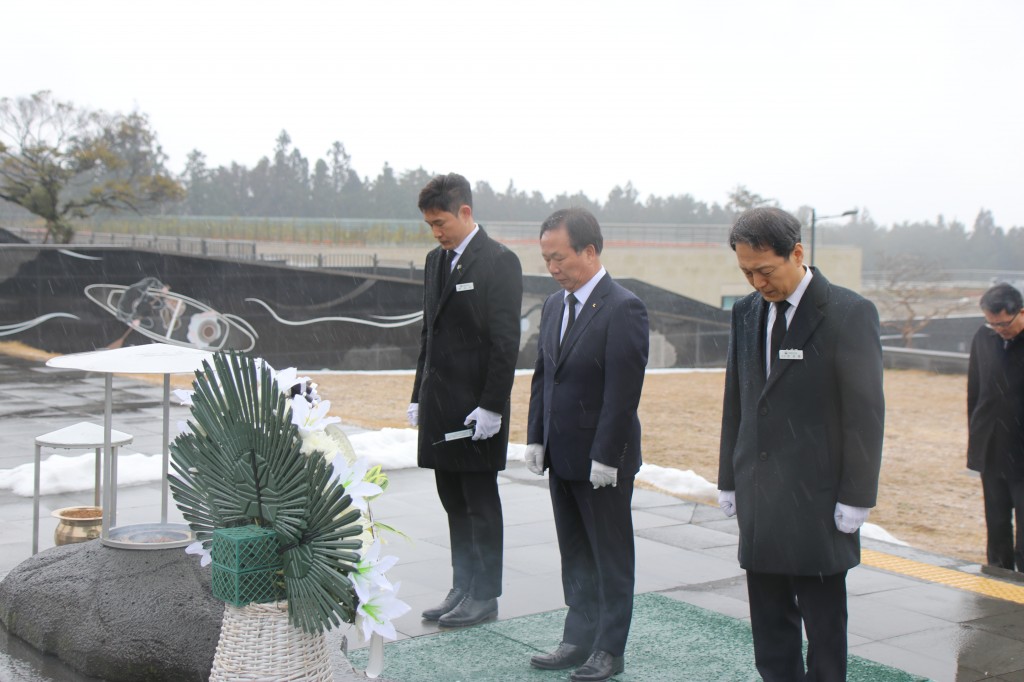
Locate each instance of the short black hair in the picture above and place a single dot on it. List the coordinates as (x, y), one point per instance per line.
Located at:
(446, 193)
(766, 227)
(581, 225)
(1002, 298)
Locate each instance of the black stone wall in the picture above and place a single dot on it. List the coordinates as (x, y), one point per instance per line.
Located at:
(38, 280)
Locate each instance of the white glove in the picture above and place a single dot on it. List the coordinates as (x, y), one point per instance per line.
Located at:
(487, 423)
(849, 519)
(413, 414)
(535, 458)
(602, 475)
(727, 502)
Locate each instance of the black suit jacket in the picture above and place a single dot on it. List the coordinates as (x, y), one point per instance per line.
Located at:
(583, 402)
(468, 349)
(809, 436)
(995, 405)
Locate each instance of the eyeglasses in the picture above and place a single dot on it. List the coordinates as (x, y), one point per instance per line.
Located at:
(996, 326)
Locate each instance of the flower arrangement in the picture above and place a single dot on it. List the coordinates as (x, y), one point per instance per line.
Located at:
(260, 449)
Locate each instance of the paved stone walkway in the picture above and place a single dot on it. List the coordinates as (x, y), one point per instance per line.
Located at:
(909, 610)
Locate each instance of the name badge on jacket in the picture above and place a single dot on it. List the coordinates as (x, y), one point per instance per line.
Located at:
(791, 354)
(465, 286)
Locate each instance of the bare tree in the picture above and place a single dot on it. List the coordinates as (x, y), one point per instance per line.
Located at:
(915, 292)
(62, 163)
(741, 199)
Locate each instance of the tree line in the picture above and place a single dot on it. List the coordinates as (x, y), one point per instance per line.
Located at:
(283, 185)
(932, 248)
(288, 184)
(64, 163)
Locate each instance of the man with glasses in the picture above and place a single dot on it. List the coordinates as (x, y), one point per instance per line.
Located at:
(995, 421)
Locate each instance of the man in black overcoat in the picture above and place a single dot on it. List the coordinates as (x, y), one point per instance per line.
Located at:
(584, 429)
(472, 300)
(801, 445)
(995, 422)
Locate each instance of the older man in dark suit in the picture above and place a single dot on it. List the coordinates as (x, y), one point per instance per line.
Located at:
(472, 300)
(801, 445)
(995, 422)
(583, 427)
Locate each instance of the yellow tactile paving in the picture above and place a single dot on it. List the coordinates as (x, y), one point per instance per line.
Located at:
(943, 576)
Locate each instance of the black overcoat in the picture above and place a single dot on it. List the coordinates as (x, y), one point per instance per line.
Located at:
(995, 405)
(809, 436)
(469, 345)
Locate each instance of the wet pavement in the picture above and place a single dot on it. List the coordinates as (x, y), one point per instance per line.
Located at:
(930, 616)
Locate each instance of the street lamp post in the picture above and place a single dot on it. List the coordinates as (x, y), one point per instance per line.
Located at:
(815, 218)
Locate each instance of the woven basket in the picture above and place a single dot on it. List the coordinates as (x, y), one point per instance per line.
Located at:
(258, 644)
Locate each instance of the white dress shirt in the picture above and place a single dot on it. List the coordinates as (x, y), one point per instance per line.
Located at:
(462, 246)
(581, 294)
(794, 301)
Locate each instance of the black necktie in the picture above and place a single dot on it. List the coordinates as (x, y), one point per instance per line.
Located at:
(446, 266)
(570, 304)
(778, 332)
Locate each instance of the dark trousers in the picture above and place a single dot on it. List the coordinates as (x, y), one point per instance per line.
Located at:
(595, 539)
(1004, 509)
(475, 528)
(778, 606)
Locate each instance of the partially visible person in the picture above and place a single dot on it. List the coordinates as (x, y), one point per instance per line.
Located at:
(995, 423)
(583, 427)
(801, 446)
(472, 301)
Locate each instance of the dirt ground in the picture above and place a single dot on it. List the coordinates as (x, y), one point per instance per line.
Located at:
(926, 496)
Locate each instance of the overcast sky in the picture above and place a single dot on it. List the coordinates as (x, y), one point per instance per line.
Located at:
(906, 108)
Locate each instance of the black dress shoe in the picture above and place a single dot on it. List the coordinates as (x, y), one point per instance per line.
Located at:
(450, 602)
(470, 611)
(565, 656)
(599, 667)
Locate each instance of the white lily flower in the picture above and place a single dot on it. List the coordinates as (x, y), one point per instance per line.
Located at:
(285, 378)
(377, 608)
(352, 477)
(204, 553)
(310, 418)
(372, 567)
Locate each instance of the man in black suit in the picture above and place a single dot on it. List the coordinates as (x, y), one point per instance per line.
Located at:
(995, 422)
(801, 445)
(583, 427)
(472, 300)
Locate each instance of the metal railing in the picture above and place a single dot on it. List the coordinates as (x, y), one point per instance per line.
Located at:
(943, 362)
(509, 231)
(196, 246)
(318, 231)
(235, 249)
(360, 262)
(340, 261)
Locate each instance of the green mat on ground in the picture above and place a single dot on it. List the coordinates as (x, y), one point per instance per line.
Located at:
(669, 640)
